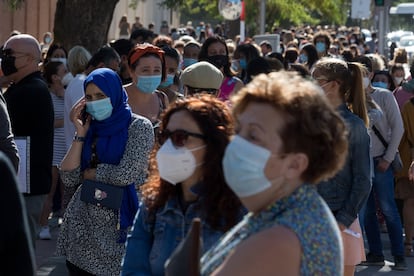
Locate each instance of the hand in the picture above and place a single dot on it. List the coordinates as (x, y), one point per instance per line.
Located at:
(76, 117)
(89, 174)
(383, 165)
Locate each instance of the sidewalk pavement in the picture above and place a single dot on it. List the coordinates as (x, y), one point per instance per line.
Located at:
(50, 265)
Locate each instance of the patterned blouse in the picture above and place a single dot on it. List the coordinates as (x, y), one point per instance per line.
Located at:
(88, 235)
(307, 215)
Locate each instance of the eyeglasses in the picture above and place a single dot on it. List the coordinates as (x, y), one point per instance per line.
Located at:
(178, 137)
(191, 91)
(10, 53)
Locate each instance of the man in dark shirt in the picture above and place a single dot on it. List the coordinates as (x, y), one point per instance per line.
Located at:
(31, 114)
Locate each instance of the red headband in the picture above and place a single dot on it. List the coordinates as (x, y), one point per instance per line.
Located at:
(141, 49)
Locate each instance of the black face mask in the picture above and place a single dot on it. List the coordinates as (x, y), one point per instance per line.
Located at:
(8, 65)
(218, 60)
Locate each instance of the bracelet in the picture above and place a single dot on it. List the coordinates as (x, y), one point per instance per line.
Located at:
(77, 138)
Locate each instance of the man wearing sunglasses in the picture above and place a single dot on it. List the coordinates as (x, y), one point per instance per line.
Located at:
(201, 77)
(31, 114)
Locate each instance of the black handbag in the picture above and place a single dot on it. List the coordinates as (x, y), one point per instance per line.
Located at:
(396, 164)
(101, 194)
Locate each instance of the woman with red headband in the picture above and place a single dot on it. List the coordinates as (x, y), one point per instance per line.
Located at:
(147, 68)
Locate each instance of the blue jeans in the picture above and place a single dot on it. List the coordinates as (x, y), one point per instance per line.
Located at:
(383, 189)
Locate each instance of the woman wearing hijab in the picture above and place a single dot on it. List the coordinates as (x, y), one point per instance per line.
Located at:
(112, 146)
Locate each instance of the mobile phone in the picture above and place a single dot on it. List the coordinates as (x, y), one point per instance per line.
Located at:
(84, 115)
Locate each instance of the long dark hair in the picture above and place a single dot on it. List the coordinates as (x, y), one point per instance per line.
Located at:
(203, 55)
(311, 53)
(220, 206)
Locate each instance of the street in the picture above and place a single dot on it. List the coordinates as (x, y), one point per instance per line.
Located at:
(50, 265)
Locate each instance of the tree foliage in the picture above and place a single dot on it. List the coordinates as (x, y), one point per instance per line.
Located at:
(284, 13)
(14, 4)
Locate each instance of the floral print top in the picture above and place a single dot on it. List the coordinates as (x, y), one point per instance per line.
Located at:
(307, 215)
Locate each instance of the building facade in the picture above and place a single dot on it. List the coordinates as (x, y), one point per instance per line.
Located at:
(36, 17)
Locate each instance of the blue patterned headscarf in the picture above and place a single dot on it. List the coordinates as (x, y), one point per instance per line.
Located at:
(111, 137)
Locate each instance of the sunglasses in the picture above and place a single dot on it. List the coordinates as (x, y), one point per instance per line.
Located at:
(178, 137)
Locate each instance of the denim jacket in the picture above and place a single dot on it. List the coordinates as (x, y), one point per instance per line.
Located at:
(347, 191)
(151, 244)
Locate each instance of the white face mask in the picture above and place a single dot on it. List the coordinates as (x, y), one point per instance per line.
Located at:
(366, 82)
(398, 80)
(63, 60)
(176, 164)
(244, 165)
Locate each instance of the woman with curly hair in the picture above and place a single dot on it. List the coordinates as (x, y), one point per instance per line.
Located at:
(186, 181)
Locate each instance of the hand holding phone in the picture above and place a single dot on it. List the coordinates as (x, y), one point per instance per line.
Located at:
(84, 115)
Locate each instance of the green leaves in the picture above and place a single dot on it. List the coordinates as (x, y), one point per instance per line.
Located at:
(278, 12)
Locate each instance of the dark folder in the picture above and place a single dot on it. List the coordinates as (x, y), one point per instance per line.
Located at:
(185, 260)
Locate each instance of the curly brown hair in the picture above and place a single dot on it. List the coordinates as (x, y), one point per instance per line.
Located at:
(220, 206)
(311, 127)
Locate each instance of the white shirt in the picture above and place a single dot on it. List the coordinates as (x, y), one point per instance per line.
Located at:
(74, 92)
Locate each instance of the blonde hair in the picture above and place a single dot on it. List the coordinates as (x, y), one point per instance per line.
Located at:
(78, 58)
(377, 62)
(350, 77)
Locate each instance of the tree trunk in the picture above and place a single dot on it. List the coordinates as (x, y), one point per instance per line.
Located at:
(83, 22)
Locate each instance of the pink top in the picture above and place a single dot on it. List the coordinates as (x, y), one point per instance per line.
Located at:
(402, 96)
(226, 88)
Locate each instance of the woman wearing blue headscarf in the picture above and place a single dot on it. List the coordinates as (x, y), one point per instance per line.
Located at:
(111, 145)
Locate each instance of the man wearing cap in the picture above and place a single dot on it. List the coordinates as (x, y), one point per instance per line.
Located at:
(201, 77)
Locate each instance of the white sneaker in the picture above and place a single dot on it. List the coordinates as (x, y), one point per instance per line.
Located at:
(45, 233)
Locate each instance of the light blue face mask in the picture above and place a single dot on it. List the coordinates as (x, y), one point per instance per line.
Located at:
(380, 84)
(303, 58)
(243, 63)
(320, 47)
(148, 84)
(168, 81)
(100, 109)
(188, 61)
(243, 167)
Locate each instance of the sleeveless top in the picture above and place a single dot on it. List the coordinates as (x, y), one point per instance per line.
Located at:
(305, 213)
(227, 87)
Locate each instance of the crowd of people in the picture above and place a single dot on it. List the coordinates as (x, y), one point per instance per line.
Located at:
(301, 153)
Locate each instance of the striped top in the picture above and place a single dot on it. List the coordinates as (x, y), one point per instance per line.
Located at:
(59, 146)
(305, 213)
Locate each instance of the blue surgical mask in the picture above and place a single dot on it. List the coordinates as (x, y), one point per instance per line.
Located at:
(380, 84)
(303, 58)
(320, 47)
(148, 84)
(100, 109)
(243, 63)
(188, 61)
(243, 166)
(168, 81)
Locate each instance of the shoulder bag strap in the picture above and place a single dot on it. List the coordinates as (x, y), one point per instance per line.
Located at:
(376, 131)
